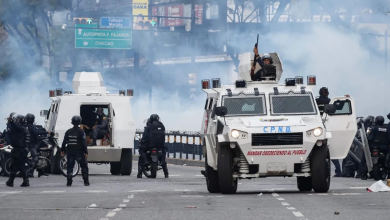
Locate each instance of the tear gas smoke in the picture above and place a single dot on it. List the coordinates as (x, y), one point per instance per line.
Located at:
(338, 58)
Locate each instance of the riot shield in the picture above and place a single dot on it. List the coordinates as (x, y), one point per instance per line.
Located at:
(366, 147)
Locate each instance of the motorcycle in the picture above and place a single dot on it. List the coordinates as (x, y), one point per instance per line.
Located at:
(47, 147)
(153, 158)
(379, 170)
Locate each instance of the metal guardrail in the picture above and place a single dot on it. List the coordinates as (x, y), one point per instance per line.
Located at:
(179, 144)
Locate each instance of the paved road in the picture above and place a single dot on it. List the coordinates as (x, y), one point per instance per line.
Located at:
(184, 196)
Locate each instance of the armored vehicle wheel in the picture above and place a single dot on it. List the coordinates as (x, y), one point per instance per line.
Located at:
(115, 168)
(320, 169)
(126, 161)
(212, 179)
(227, 183)
(304, 183)
(55, 163)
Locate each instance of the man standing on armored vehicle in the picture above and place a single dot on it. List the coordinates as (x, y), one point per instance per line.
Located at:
(322, 100)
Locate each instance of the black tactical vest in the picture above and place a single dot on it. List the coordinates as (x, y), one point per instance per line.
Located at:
(73, 141)
(381, 136)
(156, 135)
(321, 101)
(28, 136)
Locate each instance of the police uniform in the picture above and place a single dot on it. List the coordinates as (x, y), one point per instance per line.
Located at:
(378, 138)
(76, 149)
(33, 141)
(17, 135)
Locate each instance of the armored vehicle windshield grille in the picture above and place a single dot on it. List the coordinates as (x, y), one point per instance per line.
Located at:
(277, 139)
(292, 103)
(245, 105)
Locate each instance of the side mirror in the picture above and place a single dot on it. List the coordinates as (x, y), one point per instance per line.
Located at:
(329, 109)
(43, 113)
(221, 111)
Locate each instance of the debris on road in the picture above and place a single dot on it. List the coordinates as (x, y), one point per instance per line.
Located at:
(378, 187)
(336, 213)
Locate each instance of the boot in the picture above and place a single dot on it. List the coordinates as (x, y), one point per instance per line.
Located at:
(25, 183)
(10, 181)
(358, 175)
(364, 176)
(203, 172)
(165, 169)
(69, 180)
(93, 143)
(85, 178)
(139, 175)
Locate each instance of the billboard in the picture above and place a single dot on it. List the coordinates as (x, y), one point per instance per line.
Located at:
(177, 10)
(140, 13)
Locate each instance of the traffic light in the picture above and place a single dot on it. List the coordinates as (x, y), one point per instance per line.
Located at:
(82, 20)
(147, 24)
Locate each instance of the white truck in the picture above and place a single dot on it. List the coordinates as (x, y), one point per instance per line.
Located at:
(88, 97)
(257, 129)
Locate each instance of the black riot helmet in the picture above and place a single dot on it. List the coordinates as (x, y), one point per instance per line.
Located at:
(148, 122)
(368, 122)
(18, 119)
(12, 114)
(22, 120)
(267, 56)
(76, 120)
(324, 91)
(388, 116)
(154, 117)
(379, 120)
(30, 118)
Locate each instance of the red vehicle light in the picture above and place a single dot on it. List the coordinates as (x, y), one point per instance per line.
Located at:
(153, 151)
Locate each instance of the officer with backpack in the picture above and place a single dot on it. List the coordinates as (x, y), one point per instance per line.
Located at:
(154, 137)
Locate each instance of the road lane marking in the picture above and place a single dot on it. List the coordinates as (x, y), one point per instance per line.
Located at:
(130, 196)
(274, 194)
(322, 194)
(117, 210)
(52, 191)
(92, 206)
(285, 203)
(94, 191)
(298, 214)
(345, 194)
(192, 196)
(141, 190)
(122, 205)
(199, 175)
(111, 214)
(359, 187)
(11, 192)
(290, 208)
(182, 190)
(280, 199)
(126, 200)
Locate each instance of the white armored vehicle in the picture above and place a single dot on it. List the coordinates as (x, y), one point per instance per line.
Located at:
(115, 146)
(256, 129)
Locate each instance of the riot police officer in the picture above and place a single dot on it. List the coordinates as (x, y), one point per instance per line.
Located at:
(378, 138)
(266, 59)
(142, 149)
(76, 150)
(17, 134)
(322, 100)
(34, 133)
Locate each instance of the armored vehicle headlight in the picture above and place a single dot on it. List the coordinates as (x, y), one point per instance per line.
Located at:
(317, 132)
(235, 134)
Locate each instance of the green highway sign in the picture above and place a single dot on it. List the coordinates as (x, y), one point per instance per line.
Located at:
(102, 38)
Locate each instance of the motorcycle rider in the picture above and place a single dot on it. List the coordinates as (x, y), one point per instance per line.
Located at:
(34, 132)
(156, 139)
(5, 137)
(143, 148)
(76, 149)
(378, 137)
(322, 100)
(17, 134)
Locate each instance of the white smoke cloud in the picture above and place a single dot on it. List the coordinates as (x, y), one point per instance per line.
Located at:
(337, 57)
